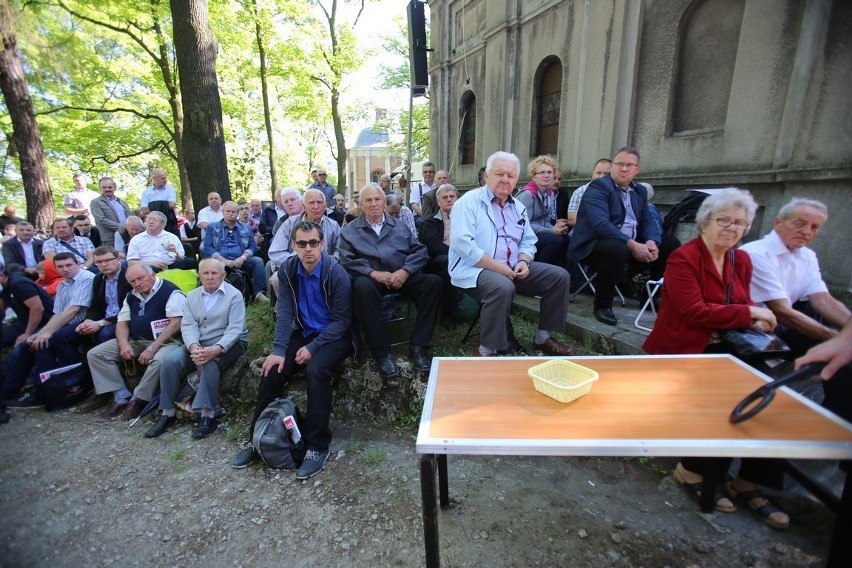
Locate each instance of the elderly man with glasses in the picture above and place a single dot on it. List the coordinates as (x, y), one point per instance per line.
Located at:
(615, 228)
(157, 247)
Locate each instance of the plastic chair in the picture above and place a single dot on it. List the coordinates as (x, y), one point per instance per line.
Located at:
(588, 283)
(651, 287)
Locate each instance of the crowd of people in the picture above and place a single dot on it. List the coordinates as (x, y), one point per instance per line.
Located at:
(327, 266)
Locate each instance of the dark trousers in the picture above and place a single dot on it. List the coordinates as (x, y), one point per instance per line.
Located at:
(63, 349)
(449, 293)
(16, 368)
(318, 372)
(552, 249)
(609, 259)
(422, 289)
(9, 332)
(837, 390)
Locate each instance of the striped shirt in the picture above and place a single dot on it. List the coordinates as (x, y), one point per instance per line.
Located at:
(81, 244)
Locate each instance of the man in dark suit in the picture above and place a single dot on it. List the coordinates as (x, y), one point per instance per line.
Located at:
(615, 227)
(22, 252)
(109, 289)
(109, 211)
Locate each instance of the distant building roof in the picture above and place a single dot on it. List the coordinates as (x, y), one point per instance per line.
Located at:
(370, 137)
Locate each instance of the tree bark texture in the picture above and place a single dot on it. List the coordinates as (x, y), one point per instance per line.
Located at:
(25, 132)
(203, 135)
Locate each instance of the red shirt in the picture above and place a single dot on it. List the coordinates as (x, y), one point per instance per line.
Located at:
(693, 300)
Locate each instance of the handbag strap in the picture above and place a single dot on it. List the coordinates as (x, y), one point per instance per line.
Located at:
(730, 277)
(72, 249)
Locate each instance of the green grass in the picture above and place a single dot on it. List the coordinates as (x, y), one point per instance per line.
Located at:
(178, 454)
(374, 456)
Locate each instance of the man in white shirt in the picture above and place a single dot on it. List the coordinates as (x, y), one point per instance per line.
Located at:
(421, 187)
(787, 280)
(210, 214)
(78, 200)
(156, 247)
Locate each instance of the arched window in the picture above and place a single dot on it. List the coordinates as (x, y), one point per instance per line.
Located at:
(467, 140)
(376, 175)
(708, 40)
(548, 101)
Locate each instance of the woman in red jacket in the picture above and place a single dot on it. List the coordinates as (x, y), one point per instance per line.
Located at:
(694, 306)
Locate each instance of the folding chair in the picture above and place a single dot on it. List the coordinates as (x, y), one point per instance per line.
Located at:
(651, 287)
(588, 283)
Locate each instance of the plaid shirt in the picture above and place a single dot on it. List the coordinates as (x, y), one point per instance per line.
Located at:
(77, 292)
(82, 244)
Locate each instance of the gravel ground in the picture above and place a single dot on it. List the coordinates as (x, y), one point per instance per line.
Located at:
(80, 490)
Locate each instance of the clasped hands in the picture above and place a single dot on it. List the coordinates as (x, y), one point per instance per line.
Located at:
(391, 280)
(647, 252)
(201, 355)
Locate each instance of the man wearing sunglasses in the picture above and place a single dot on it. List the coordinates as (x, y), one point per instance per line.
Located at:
(311, 332)
(147, 329)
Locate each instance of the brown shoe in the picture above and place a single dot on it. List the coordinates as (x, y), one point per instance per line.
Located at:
(115, 408)
(134, 409)
(553, 347)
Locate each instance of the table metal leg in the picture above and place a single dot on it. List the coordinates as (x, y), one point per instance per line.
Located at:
(430, 509)
(707, 500)
(443, 482)
(840, 553)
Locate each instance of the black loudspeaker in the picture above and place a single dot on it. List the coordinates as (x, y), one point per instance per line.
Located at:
(417, 50)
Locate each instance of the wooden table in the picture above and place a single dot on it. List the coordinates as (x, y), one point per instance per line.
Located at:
(641, 406)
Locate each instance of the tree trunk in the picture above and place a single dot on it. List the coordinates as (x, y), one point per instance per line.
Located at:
(13, 83)
(264, 88)
(340, 140)
(203, 139)
(175, 104)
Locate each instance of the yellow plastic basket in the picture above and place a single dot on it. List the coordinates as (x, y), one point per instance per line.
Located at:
(562, 380)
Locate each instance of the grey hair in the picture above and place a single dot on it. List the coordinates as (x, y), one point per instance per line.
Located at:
(628, 150)
(444, 188)
(288, 190)
(503, 156)
(365, 188)
(649, 188)
(134, 219)
(24, 224)
(215, 261)
(797, 202)
(312, 190)
(386, 177)
(725, 199)
(159, 215)
(393, 199)
(147, 268)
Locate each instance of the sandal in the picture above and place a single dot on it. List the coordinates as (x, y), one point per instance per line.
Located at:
(723, 504)
(764, 511)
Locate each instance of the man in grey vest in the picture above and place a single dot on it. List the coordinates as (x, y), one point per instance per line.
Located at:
(148, 328)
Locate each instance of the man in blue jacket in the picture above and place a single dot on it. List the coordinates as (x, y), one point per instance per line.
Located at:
(311, 332)
(615, 227)
(232, 242)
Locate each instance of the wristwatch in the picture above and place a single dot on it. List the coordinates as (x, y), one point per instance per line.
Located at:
(102, 323)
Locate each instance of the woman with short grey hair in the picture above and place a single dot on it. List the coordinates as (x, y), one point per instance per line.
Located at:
(706, 289)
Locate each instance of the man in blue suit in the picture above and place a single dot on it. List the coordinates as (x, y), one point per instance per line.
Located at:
(614, 227)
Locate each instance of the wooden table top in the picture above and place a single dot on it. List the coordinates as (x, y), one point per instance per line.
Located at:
(641, 405)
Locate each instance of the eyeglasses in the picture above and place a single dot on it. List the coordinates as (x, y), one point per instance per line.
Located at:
(627, 165)
(544, 173)
(322, 175)
(304, 244)
(105, 260)
(726, 222)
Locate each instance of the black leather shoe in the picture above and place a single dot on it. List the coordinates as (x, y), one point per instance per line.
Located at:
(605, 315)
(160, 427)
(206, 426)
(387, 367)
(422, 362)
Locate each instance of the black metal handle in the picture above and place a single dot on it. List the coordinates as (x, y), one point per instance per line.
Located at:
(765, 394)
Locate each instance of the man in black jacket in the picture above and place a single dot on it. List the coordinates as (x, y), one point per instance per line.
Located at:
(22, 252)
(109, 289)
